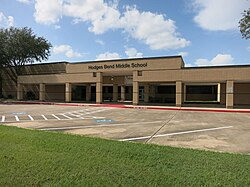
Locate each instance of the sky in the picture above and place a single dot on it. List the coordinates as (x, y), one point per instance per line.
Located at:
(204, 32)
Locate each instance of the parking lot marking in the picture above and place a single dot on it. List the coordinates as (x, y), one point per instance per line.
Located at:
(17, 119)
(94, 126)
(55, 117)
(44, 117)
(177, 133)
(88, 111)
(66, 116)
(3, 119)
(75, 115)
(31, 118)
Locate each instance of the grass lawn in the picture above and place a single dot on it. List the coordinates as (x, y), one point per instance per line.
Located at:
(38, 158)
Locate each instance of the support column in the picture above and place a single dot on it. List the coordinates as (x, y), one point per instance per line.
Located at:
(42, 92)
(135, 88)
(68, 92)
(88, 92)
(218, 92)
(178, 98)
(229, 94)
(115, 92)
(146, 93)
(19, 91)
(99, 88)
(123, 92)
(135, 93)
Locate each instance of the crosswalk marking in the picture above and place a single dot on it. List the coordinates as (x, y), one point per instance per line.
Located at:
(17, 119)
(44, 117)
(31, 118)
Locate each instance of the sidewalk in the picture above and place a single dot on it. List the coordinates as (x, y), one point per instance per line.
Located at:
(194, 109)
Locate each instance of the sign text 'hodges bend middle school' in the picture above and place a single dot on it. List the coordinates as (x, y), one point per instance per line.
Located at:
(118, 66)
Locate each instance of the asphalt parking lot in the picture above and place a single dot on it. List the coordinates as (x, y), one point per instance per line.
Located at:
(228, 132)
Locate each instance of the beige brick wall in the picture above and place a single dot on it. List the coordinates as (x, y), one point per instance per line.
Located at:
(241, 93)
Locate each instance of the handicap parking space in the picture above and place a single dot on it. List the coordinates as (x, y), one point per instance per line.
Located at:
(204, 130)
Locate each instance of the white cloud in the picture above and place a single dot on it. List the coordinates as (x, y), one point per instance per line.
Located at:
(102, 16)
(6, 21)
(48, 11)
(133, 53)
(100, 42)
(218, 60)
(248, 48)
(152, 29)
(10, 21)
(218, 15)
(183, 54)
(25, 1)
(66, 50)
(108, 56)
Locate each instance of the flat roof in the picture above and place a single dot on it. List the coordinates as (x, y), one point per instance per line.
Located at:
(111, 60)
(145, 58)
(130, 59)
(224, 66)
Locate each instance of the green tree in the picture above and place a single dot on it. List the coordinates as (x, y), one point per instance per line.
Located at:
(244, 24)
(18, 47)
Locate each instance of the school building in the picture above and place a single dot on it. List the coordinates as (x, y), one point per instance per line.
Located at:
(162, 80)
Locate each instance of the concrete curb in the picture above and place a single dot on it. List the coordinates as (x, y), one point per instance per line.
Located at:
(192, 109)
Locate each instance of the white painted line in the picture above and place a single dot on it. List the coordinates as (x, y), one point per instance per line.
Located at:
(3, 119)
(177, 133)
(91, 126)
(66, 116)
(72, 114)
(31, 118)
(44, 117)
(17, 119)
(55, 116)
(195, 131)
(96, 111)
(78, 114)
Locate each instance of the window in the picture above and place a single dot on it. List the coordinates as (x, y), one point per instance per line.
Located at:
(166, 89)
(94, 74)
(139, 73)
(206, 89)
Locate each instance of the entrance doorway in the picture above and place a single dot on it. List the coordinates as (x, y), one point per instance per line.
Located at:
(141, 93)
(78, 93)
